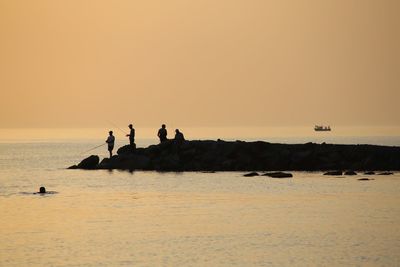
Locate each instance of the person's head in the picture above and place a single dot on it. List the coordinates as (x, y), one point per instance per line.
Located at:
(163, 126)
(110, 132)
(42, 190)
(130, 126)
(177, 130)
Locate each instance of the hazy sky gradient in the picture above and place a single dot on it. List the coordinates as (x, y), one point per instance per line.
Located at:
(199, 63)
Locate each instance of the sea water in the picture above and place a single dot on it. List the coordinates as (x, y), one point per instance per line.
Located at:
(119, 218)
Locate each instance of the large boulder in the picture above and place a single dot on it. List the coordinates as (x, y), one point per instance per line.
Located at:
(89, 163)
(109, 163)
(127, 149)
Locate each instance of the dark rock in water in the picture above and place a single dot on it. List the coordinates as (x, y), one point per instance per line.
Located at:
(89, 163)
(369, 173)
(385, 173)
(251, 174)
(278, 174)
(334, 173)
(350, 173)
(365, 179)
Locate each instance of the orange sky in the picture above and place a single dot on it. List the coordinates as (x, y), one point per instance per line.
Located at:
(81, 63)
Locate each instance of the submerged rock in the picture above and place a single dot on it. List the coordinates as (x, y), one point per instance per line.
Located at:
(350, 173)
(251, 174)
(278, 174)
(334, 173)
(365, 179)
(369, 173)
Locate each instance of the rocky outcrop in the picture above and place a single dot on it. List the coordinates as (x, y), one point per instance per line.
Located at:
(250, 156)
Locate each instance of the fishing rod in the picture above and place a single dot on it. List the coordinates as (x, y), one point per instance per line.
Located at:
(93, 148)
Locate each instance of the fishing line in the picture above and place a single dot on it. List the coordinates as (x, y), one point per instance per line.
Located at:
(93, 148)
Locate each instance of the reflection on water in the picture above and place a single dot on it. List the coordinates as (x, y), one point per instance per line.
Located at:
(101, 218)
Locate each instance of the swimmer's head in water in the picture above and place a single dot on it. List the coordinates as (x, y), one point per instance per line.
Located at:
(42, 190)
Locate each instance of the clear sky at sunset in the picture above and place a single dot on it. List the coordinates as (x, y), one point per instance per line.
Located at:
(199, 63)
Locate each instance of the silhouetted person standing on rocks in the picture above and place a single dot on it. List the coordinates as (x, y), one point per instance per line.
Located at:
(131, 136)
(110, 141)
(162, 134)
(179, 136)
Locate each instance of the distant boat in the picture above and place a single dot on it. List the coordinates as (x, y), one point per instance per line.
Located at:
(320, 128)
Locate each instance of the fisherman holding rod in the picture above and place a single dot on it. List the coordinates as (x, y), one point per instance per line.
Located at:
(110, 141)
(131, 136)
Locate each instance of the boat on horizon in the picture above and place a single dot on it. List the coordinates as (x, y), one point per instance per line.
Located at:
(320, 128)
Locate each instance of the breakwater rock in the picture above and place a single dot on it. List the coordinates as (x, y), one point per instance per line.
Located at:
(249, 156)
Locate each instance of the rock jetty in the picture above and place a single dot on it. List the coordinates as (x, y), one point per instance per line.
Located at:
(248, 156)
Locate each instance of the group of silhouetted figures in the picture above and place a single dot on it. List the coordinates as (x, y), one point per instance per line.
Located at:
(162, 135)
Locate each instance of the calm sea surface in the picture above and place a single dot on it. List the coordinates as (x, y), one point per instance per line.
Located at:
(116, 218)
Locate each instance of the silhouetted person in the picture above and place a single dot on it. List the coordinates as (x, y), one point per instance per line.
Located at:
(162, 134)
(42, 191)
(179, 136)
(131, 136)
(110, 141)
